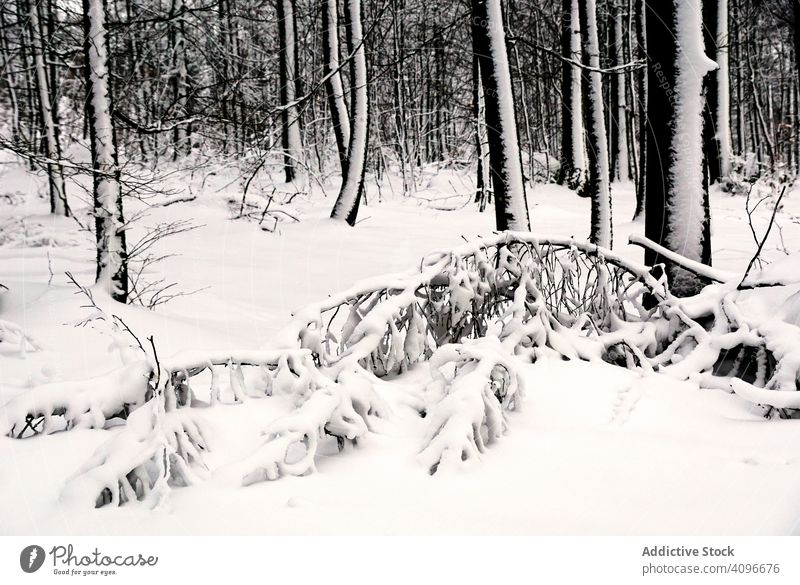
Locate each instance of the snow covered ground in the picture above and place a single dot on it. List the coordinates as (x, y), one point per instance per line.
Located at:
(595, 449)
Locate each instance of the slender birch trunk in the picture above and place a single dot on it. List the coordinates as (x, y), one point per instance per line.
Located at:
(483, 180)
(621, 168)
(333, 82)
(347, 203)
(290, 115)
(597, 186)
(572, 172)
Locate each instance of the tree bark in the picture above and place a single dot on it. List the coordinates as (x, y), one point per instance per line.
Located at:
(488, 38)
(573, 165)
(483, 181)
(621, 158)
(290, 116)
(597, 185)
(716, 117)
(352, 190)
(333, 83)
(112, 256)
(46, 101)
(676, 213)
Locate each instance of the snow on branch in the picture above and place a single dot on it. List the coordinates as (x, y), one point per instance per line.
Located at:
(387, 324)
(82, 404)
(550, 296)
(477, 313)
(340, 409)
(91, 403)
(468, 411)
(155, 450)
(703, 270)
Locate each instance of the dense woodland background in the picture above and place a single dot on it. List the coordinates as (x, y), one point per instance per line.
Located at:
(322, 88)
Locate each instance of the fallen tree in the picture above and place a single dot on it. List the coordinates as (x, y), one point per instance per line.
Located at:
(477, 314)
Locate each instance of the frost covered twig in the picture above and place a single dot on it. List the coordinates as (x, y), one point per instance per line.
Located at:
(757, 255)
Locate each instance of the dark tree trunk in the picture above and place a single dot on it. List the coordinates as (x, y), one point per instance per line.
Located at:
(711, 90)
(676, 210)
(488, 41)
(483, 181)
(290, 118)
(571, 172)
(796, 14)
(641, 85)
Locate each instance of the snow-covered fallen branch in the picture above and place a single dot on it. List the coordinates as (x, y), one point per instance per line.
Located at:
(387, 324)
(154, 450)
(474, 385)
(340, 409)
(91, 403)
(82, 404)
(476, 312)
(703, 270)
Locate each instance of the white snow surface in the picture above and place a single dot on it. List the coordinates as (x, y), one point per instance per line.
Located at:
(593, 448)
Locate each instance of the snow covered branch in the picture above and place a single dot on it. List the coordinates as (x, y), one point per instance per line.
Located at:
(469, 401)
(155, 449)
(388, 324)
(340, 409)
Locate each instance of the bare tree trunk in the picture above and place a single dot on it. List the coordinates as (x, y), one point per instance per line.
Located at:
(222, 76)
(620, 169)
(333, 83)
(597, 186)
(723, 113)
(112, 256)
(290, 117)
(796, 14)
(483, 182)
(641, 85)
(55, 172)
(716, 123)
(573, 165)
(488, 38)
(347, 203)
(676, 215)
(11, 83)
(179, 78)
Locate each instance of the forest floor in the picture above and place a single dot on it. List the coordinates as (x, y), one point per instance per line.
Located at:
(595, 449)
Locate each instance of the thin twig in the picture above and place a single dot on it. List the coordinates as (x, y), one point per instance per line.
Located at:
(764, 239)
